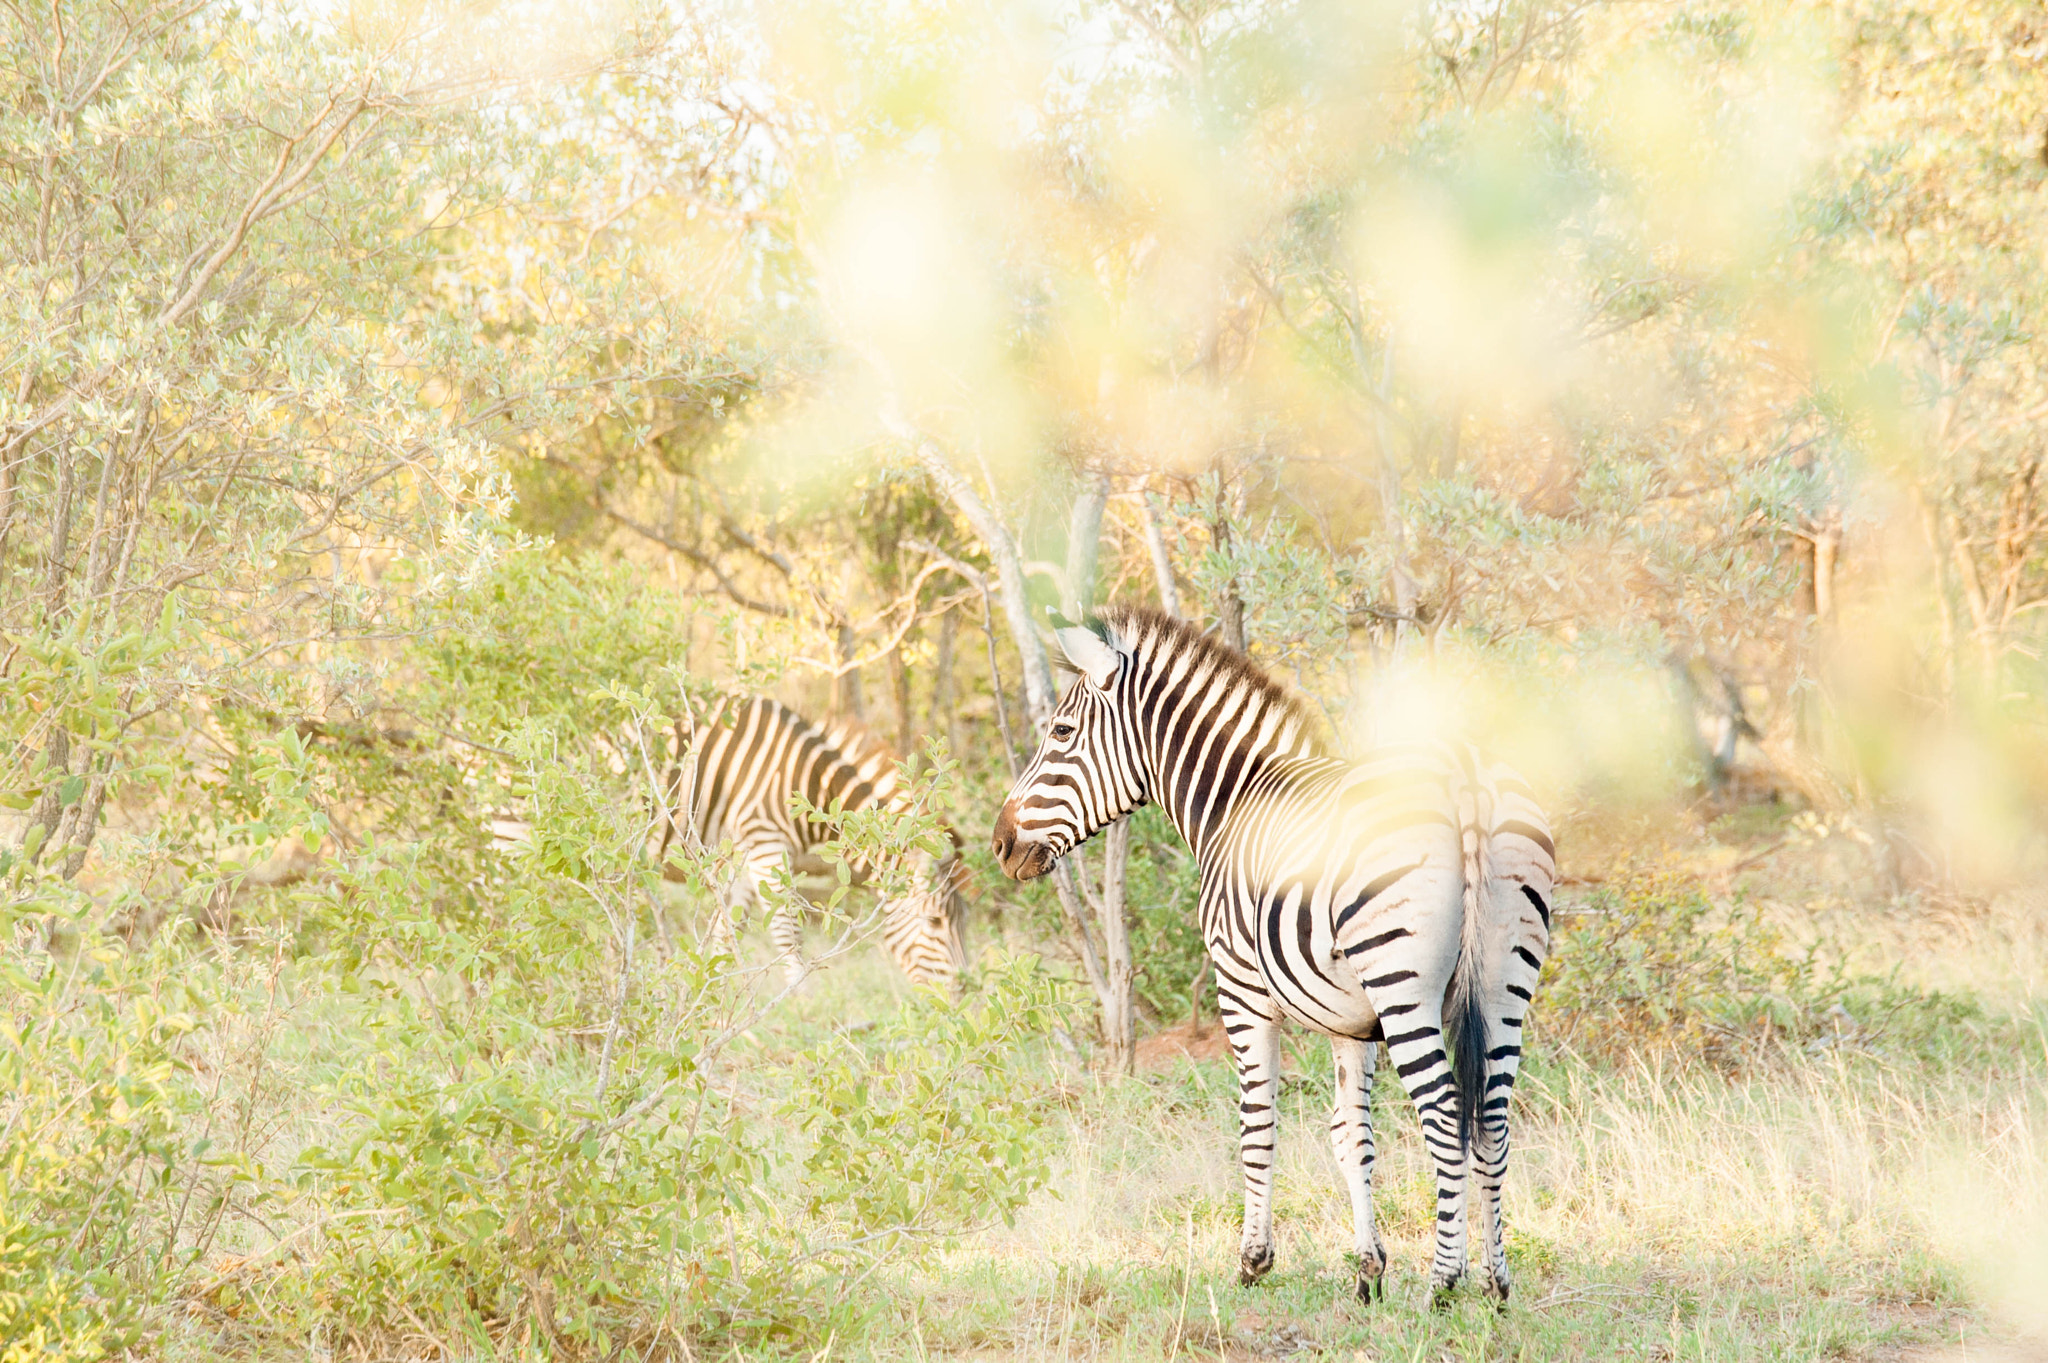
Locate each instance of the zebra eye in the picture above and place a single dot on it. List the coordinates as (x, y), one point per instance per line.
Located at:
(1062, 732)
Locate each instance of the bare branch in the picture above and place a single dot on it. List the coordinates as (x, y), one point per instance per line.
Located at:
(725, 584)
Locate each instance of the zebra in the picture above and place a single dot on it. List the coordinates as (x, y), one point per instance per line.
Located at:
(753, 755)
(1403, 898)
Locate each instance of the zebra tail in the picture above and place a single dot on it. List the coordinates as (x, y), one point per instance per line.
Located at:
(1465, 1006)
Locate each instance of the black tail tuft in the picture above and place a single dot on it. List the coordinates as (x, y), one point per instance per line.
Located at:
(1465, 1040)
(1464, 1004)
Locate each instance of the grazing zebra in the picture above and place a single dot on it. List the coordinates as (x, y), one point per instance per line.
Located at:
(748, 762)
(1404, 898)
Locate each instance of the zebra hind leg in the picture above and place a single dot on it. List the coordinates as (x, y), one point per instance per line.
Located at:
(1489, 1170)
(1416, 1046)
(1352, 1144)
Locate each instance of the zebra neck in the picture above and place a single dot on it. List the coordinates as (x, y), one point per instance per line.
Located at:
(1202, 762)
(855, 795)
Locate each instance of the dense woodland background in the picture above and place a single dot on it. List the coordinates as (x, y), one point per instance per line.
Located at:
(414, 416)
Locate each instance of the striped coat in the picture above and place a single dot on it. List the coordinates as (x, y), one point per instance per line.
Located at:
(1403, 898)
(737, 788)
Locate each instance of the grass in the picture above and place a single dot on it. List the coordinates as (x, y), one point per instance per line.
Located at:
(1827, 1197)
(1825, 1201)
(1654, 1215)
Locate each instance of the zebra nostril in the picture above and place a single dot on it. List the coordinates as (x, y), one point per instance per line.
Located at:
(1003, 840)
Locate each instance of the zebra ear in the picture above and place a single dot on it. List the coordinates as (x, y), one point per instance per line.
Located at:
(1092, 655)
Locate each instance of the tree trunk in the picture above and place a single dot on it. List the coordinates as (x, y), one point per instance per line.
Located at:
(49, 805)
(945, 711)
(1084, 543)
(56, 555)
(1036, 665)
(1002, 548)
(1119, 1003)
(1038, 702)
(1230, 608)
(846, 686)
(1162, 562)
(1106, 905)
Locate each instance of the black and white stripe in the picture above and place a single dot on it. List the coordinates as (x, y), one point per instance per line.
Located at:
(737, 788)
(1403, 898)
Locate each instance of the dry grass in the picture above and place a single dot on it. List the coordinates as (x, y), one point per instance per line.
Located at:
(1808, 1212)
(1830, 1201)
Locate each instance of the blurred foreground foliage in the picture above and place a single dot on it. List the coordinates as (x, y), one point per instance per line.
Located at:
(413, 416)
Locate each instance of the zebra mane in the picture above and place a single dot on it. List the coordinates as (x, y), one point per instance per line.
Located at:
(1149, 629)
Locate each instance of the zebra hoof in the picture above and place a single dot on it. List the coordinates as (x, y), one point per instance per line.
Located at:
(1371, 1268)
(1254, 1264)
(1440, 1294)
(1497, 1289)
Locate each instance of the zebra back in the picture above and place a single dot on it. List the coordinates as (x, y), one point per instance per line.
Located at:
(757, 752)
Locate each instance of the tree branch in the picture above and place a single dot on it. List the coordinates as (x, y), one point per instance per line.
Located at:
(685, 552)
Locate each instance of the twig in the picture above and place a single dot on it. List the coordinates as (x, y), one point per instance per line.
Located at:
(219, 1279)
(1573, 1295)
(704, 561)
(611, 1034)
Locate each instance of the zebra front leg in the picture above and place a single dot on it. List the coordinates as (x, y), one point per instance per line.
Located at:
(1351, 1142)
(1255, 1041)
(768, 870)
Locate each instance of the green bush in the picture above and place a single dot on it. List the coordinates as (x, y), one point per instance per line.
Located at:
(488, 1094)
(95, 1157)
(1653, 964)
(923, 1125)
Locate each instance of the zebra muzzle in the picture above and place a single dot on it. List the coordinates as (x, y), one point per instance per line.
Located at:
(1019, 859)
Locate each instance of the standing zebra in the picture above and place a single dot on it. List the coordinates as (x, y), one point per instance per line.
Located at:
(754, 755)
(1403, 898)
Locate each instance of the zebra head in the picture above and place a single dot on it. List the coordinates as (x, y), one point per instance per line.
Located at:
(1087, 772)
(926, 929)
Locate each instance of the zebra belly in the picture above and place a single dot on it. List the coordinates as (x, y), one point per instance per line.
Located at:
(1362, 902)
(1306, 977)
